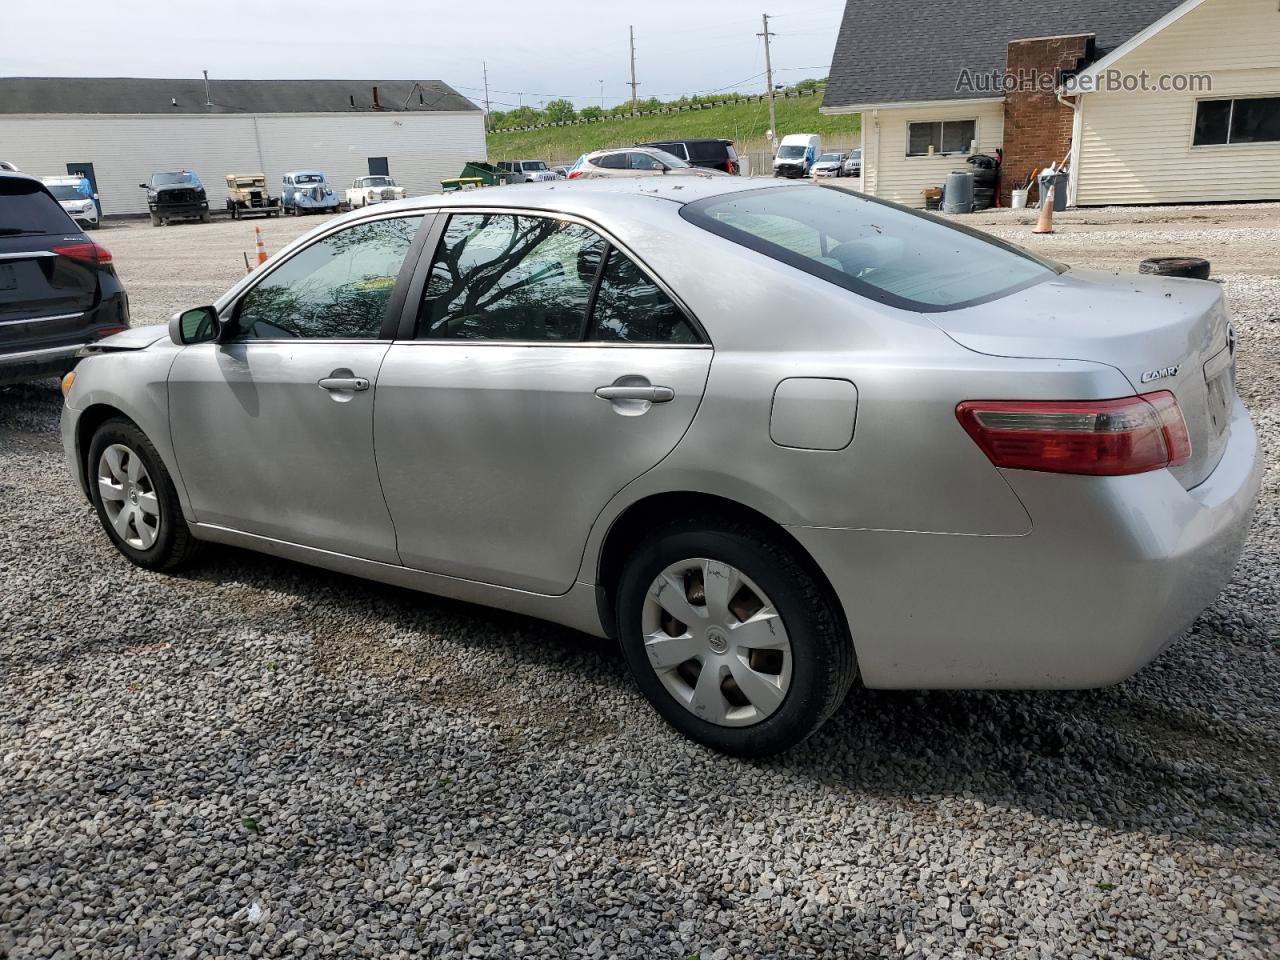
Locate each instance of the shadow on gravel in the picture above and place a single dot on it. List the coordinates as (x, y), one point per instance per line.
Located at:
(1125, 758)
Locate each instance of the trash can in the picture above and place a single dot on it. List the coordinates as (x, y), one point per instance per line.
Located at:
(1059, 183)
(957, 195)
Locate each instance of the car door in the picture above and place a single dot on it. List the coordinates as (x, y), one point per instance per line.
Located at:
(645, 165)
(540, 370)
(273, 425)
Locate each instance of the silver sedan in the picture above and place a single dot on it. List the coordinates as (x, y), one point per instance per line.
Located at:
(774, 439)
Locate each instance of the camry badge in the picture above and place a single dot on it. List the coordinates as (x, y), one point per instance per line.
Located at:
(1160, 374)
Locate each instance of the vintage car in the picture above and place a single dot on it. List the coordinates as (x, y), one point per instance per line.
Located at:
(305, 191)
(373, 189)
(247, 194)
(176, 195)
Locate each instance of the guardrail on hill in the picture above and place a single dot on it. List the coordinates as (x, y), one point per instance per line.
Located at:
(675, 108)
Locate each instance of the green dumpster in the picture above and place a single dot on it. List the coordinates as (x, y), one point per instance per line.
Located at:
(461, 183)
(477, 173)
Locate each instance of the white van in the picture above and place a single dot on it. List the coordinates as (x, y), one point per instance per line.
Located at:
(797, 153)
(75, 195)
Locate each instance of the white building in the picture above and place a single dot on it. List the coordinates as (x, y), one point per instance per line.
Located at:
(120, 130)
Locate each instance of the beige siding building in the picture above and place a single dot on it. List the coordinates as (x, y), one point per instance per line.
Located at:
(1151, 101)
(126, 129)
(1142, 147)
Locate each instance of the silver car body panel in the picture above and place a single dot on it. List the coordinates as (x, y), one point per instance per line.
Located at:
(952, 573)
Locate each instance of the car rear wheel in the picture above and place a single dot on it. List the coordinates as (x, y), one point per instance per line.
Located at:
(732, 638)
(135, 498)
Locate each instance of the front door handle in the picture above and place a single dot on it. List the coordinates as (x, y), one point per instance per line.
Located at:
(636, 392)
(344, 383)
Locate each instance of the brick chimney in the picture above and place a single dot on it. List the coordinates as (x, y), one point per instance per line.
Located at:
(1037, 128)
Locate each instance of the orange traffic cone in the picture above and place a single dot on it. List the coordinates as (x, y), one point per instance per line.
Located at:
(262, 247)
(1046, 213)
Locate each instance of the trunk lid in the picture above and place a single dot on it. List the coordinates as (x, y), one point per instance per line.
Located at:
(1161, 333)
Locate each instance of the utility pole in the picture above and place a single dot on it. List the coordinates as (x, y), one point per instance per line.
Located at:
(768, 73)
(601, 94)
(485, 67)
(635, 100)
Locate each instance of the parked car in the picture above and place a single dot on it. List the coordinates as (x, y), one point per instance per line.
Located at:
(796, 155)
(582, 405)
(712, 154)
(634, 162)
(527, 171)
(176, 195)
(58, 289)
(853, 163)
(6, 166)
(306, 191)
(366, 191)
(247, 194)
(829, 165)
(75, 195)
(562, 173)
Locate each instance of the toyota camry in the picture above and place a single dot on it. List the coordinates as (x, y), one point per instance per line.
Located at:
(774, 439)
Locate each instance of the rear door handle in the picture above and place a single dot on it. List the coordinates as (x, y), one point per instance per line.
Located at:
(650, 393)
(344, 383)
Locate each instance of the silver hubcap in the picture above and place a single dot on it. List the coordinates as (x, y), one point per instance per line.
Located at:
(716, 642)
(128, 496)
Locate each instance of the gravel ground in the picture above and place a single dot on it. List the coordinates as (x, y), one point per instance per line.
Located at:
(267, 760)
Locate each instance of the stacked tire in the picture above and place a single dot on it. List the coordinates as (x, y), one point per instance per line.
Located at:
(984, 169)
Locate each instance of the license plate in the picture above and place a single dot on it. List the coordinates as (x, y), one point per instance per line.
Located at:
(8, 277)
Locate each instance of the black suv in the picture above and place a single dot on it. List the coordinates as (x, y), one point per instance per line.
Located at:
(176, 195)
(58, 289)
(713, 154)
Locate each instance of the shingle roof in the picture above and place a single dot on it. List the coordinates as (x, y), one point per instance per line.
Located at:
(916, 49)
(151, 96)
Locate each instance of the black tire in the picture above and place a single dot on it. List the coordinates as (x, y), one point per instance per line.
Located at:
(823, 662)
(174, 546)
(155, 219)
(1195, 268)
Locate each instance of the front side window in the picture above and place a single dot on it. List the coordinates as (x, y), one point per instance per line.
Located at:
(880, 250)
(642, 161)
(507, 277)
(940, 136)
(337, 288)
(1247, 120)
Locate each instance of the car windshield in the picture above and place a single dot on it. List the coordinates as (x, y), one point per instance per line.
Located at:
(830, 157)
(308, 178)
(855, 154)
(250, 182)
(65, 191)
(880, 250)
(534, 165)
(791, 150)
(379, 182)
(183, 177)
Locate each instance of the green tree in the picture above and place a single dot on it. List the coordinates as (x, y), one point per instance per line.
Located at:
(559, 111)
(590, 113)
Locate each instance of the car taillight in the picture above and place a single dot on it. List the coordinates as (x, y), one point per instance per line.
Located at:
(85, 252)
(574, 174)
(1107, 438)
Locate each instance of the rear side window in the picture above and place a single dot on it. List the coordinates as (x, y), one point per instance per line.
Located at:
(25, 208)
(707, 150)
(880, 250)
(533, 278)
(632, 308)
(612, 161)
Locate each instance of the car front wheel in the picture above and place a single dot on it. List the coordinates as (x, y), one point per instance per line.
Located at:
(732, 637)
(135, 498)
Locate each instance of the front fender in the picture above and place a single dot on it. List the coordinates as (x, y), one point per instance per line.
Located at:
(134, 384)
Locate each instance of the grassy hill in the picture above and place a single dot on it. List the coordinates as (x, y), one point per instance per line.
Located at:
(743, 123)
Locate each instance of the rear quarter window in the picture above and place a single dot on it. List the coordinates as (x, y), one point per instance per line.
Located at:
(882, 251)
(25, 208)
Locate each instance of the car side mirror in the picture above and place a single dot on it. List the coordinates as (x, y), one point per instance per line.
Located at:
(143, 186)
(199, 325)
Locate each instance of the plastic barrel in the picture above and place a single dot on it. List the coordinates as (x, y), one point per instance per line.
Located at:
(958, 196)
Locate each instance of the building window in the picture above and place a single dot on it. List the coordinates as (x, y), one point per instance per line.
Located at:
(940, 136)
(1251, 120)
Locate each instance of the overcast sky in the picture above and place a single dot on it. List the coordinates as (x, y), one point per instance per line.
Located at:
(535, 49)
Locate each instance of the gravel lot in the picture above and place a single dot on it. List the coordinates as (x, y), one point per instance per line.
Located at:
(267, 760)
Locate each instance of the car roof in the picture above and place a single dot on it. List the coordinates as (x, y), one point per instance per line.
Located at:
(295, 173)
(650, 143)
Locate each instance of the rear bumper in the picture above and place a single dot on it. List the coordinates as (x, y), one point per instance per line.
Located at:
(35, 364)
(1112, 571)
